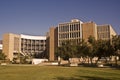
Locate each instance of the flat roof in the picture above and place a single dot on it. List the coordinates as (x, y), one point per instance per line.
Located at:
(33, 37)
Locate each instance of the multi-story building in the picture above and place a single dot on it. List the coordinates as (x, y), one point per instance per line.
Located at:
(25, 45)
(105, 32)
(89, 29)
(77, 31)
(70, 31)
(42, 46)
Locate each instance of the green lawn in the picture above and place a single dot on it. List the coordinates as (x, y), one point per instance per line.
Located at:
(57, 73)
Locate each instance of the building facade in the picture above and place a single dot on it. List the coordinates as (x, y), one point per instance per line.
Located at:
(52, 42)
(89, 29)
(25, 45)
(70, 31)
(105, 32)
(77, 31)
(45, 46)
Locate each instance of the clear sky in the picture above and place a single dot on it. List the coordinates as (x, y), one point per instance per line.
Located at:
(35, 17)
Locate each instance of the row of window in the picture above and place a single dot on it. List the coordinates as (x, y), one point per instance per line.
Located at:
(37, 49)
(105, 28)
(69, 35)
(77, 41)
(103, 35)
(67, 28)
(40, 44)
(33, 47)
(31, 51)
(16, 44)
(32, 41)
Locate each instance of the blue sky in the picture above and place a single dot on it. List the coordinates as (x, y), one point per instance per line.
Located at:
(35, 17)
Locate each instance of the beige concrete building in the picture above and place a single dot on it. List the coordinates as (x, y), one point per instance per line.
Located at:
(15, 45)
(11, 45)
(77, 30)
(105, 32)
(52, 42)
(89, 29)
(70, 31)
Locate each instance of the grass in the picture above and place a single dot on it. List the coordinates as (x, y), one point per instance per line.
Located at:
(57, 73)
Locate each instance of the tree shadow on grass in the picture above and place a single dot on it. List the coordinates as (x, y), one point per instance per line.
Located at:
(82, 78)
(67, 78)
(94, 78)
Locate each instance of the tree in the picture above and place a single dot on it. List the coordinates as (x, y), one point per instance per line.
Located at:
(80, 47)
(2, 56)
(116, 46)
(91, 48)
(104, 50)
(99, 48)
(67, 50)
(116, 42)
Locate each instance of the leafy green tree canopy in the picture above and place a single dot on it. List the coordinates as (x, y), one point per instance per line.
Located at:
(2, 56)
